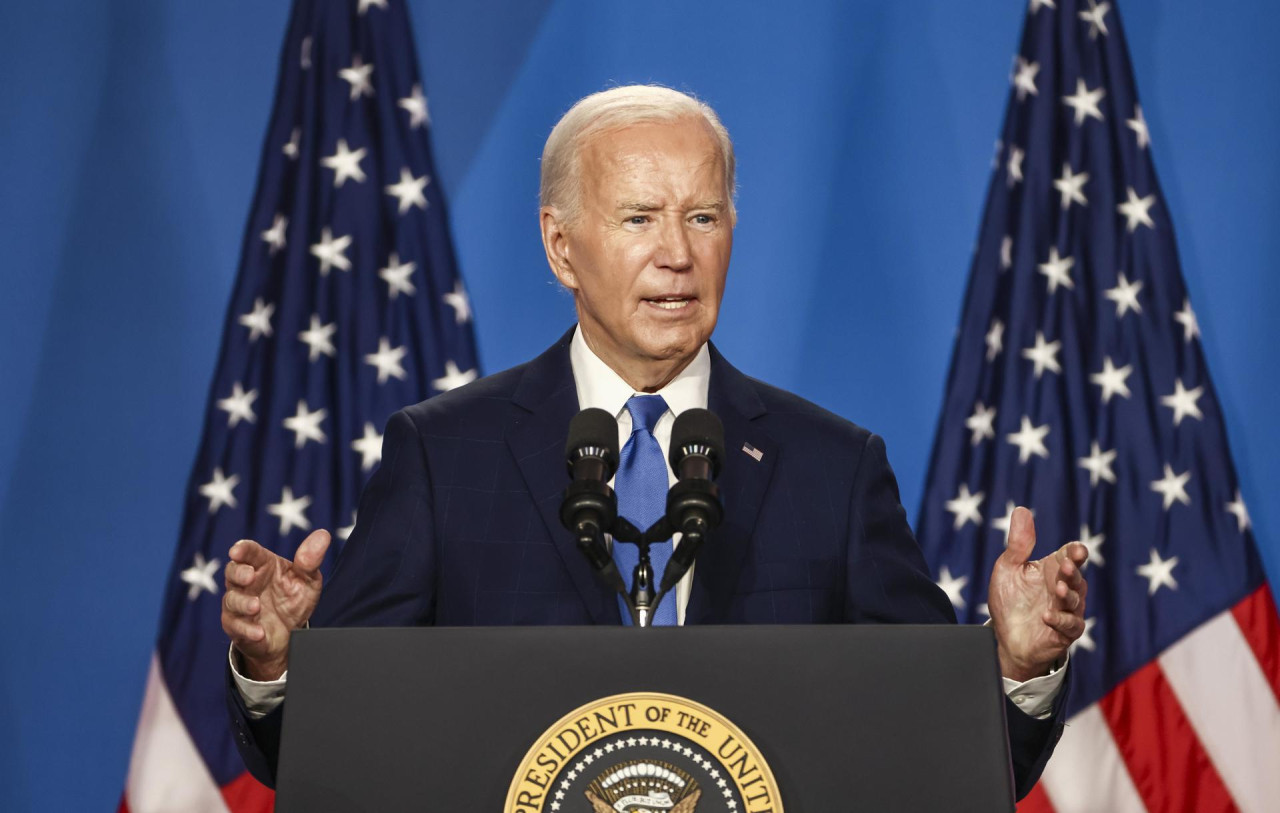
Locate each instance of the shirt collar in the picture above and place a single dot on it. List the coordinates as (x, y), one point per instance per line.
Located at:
(599, 386)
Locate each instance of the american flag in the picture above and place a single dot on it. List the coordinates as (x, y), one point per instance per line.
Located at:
(348, 305)
(1079, 388)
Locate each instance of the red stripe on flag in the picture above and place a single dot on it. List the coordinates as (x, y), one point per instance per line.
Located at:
(244, 794)
(1168, 764)
(1037, 801)
(1260, 624)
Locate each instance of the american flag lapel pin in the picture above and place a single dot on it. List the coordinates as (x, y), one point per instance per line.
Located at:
(753, 452)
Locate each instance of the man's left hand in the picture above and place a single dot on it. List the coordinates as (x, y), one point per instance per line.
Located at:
(1037, 607)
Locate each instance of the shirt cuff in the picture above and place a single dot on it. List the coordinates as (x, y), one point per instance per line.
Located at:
(261, 697)
(1035, 697)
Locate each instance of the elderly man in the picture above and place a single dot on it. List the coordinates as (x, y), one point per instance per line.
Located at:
(459, 525)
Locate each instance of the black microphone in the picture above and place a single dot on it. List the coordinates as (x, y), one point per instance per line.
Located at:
(697, 445)
(592, 448)
(590, 507)
(693, 503)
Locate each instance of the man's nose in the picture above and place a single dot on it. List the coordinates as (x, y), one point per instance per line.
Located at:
(674, 250)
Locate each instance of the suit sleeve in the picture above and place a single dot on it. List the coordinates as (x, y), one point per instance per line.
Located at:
(385, 575)
(889, 582)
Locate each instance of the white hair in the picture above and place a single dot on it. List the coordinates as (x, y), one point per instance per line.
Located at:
(610, 110)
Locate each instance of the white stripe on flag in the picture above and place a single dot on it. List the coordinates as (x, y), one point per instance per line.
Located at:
(166, 772)
(1226, 697)
(1087, 774)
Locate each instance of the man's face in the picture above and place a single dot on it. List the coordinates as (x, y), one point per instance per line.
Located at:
(647, 257)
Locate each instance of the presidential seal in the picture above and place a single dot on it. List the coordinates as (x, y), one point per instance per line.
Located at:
(643, 753)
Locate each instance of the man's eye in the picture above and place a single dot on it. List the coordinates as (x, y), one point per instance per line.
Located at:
(703, 220)
(638, 220)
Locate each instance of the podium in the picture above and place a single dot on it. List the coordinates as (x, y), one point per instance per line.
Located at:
(760, 719)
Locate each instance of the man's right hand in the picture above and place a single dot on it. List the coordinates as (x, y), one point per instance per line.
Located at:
(267, 598)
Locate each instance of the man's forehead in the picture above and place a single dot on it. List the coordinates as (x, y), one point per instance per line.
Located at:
(685, 134)
(653, 151)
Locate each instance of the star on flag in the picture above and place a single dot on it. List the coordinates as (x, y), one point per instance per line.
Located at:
(1159, 572)
(1085, 102)
(220, 490)
(345, 164)
(952, 586)
(1030, 440)
(396, 275)
(359, 76)
(1183, 402)
(369, 447)
(1058, 270)
(291, 510)
(239, 405)
(416, 104)
(387, 360)
(453, 377)
(1024, 78)
(258, 320)
(965, 507)
(408, 191)
(1136, 210)
(331, 251)
(1125, 295)
(200, 576)
(318, 338)
(1172, 487)
(1112, 379)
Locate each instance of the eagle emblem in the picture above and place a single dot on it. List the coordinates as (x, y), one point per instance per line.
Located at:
(641, 786)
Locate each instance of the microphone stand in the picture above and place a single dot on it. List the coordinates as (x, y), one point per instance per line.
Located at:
(643, 601)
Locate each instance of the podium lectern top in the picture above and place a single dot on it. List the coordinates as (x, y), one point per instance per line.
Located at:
(839, 718)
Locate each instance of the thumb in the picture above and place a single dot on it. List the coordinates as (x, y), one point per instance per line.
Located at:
(310, 553)
(1022, 537)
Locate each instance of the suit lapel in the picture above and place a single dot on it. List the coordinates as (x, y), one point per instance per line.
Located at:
(744, 478)
(547, 400)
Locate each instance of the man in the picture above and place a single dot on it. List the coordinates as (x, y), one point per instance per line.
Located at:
(459, 525)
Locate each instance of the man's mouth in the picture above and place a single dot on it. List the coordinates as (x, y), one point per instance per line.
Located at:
(670, 303)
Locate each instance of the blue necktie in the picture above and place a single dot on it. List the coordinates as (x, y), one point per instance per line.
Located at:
(641, 485)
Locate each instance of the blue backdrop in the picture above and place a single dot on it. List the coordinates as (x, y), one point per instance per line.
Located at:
(130, 134)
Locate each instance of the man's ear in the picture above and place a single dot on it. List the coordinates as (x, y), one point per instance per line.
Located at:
(555, 241)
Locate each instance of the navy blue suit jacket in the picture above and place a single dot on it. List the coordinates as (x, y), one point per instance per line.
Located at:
(460, 526)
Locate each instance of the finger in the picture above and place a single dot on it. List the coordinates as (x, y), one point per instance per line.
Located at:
(241, 630)
(1068, 599)
(1066, 624)
(241, 604)
(238, 575)
(1069, 574)
(311, 552)
(247, 579)
(1073, 552)
(249, 552)
(1022, 537)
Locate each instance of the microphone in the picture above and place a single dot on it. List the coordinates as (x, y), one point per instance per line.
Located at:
(590, 507)
(693, 504)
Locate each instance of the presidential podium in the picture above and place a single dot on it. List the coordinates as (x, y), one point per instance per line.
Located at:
(709, 719)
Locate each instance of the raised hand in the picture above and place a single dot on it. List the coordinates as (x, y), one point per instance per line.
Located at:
(267, 598)
(1037, 608)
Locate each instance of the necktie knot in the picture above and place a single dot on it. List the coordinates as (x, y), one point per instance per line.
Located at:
(645, 411)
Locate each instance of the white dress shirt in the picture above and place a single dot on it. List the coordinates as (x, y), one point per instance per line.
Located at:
(599, 386)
